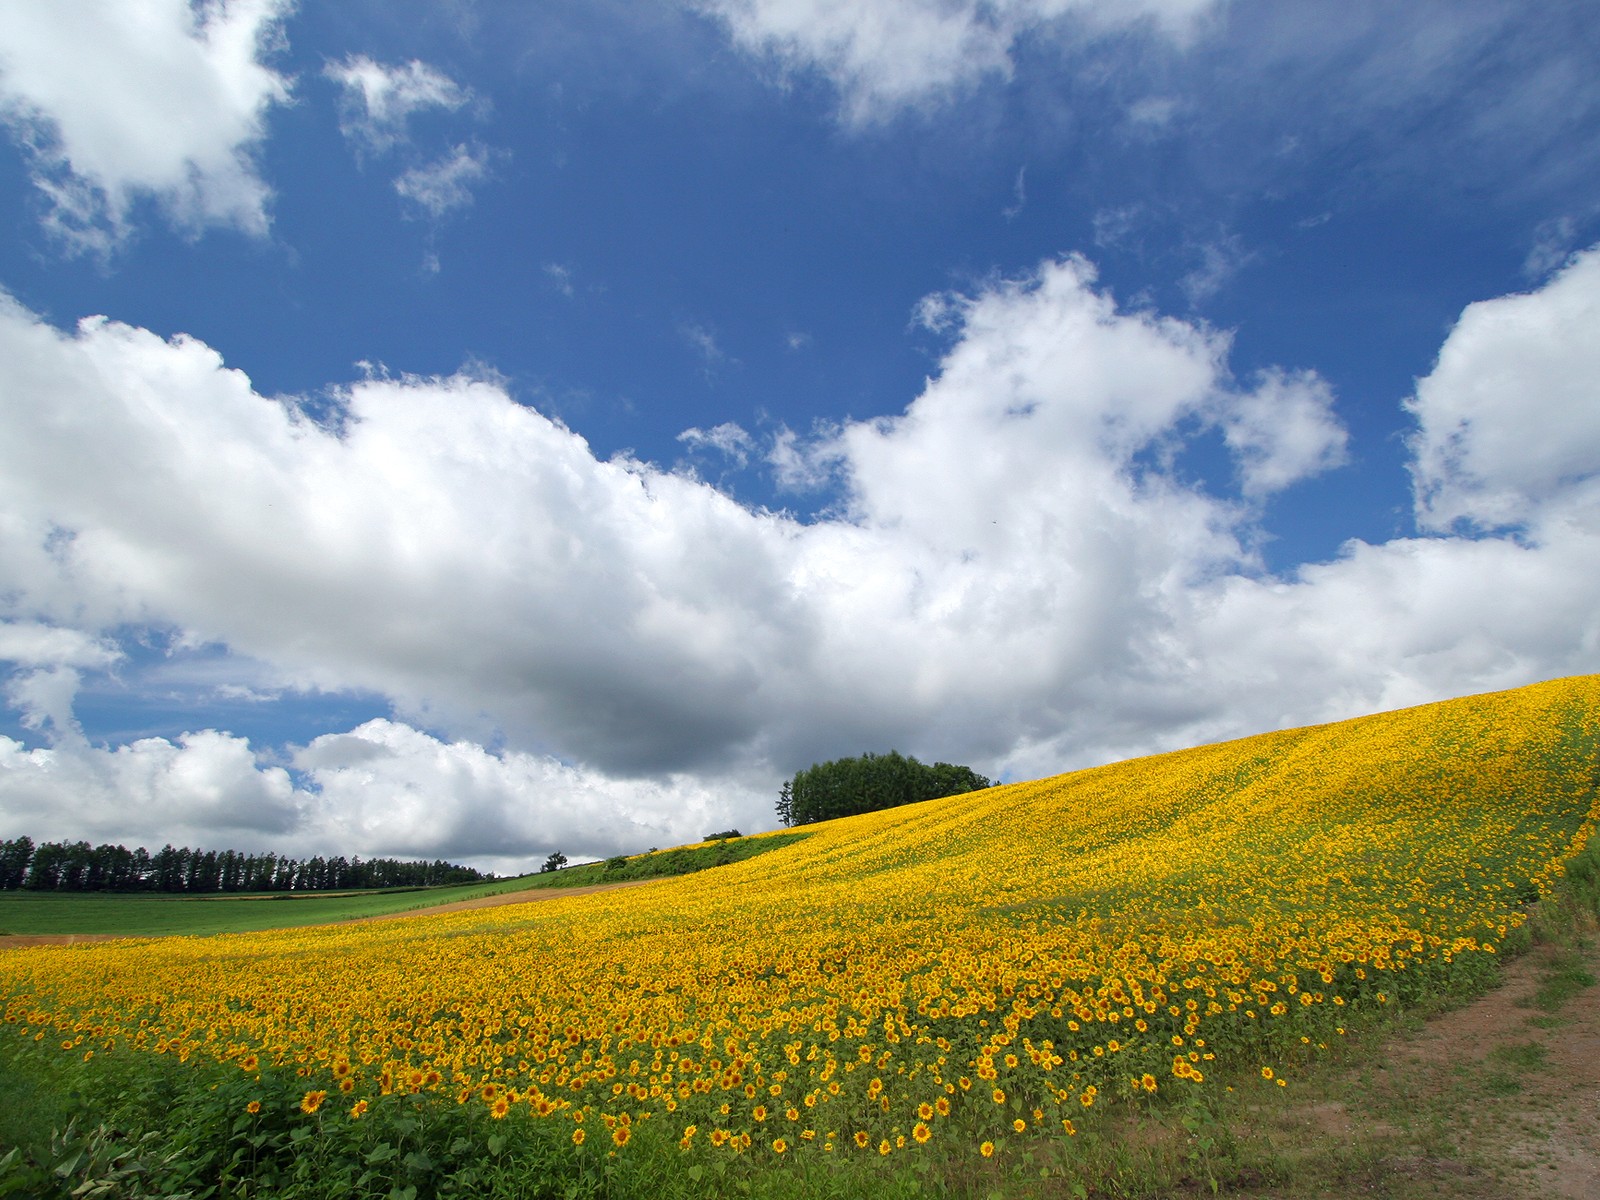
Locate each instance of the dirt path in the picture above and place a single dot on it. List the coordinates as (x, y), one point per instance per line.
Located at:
(1520, 1075)
(1498, 1100)
(531, 895)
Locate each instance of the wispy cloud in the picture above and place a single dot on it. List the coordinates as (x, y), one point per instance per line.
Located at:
(445, 185)
(377, 101)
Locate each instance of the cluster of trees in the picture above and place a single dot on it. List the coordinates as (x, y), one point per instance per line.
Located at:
(80, 867)
(848, 786)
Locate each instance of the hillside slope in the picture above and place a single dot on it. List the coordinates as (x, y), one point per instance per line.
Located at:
(959, 972)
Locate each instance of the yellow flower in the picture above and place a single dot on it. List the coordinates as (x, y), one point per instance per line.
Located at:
(921, 1132)
(311, 1101)
(779, 1145)
(577, 1137)
(356, 1109)
(253, 1107)
(987, 1149)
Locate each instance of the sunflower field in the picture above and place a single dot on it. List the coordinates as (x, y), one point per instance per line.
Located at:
(948, 978)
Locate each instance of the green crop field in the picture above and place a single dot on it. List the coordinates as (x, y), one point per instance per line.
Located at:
(145, 915)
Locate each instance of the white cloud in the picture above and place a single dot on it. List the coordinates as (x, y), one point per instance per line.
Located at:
(1011, 577)
(407, 794)
(1153, 112)
(142, 98)
(205, 789)
(1509, 418)
(885, 55)
(446, 184)
(1220, 261)
(560, 278)
(1283, 431)
(704, 343)
(803, 465)
(1553, 242)
(378, 100)
(384, 787)
(727, 438)
(31, 644)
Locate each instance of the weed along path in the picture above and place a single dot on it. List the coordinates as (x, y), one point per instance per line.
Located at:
(529, 896)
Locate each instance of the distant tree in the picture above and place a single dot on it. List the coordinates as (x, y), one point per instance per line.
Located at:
(80, 867)
(871, 782)
(15, 858)
(724, 836)
(554, 863)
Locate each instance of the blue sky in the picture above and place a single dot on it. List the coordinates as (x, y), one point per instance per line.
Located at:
(482, 429)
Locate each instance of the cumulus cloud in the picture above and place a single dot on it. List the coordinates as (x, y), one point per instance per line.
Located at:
(142, 98)
(1283, 431)
(377, 100)
(1010, 573)
(29, 643)
(1509, 419)
(383, 787)
(408, 794)
(205, 788)
(885, 55)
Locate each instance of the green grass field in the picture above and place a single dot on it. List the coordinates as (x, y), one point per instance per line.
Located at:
(142, 915)
(145, 915)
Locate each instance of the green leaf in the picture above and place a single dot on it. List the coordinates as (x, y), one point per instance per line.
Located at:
(381, 1154)
(497, 1144)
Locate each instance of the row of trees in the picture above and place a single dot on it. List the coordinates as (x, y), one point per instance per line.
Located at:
(848, 786)
(80, 867)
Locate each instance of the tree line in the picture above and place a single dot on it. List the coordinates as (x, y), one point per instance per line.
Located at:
(80, 867)
(848, 786)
